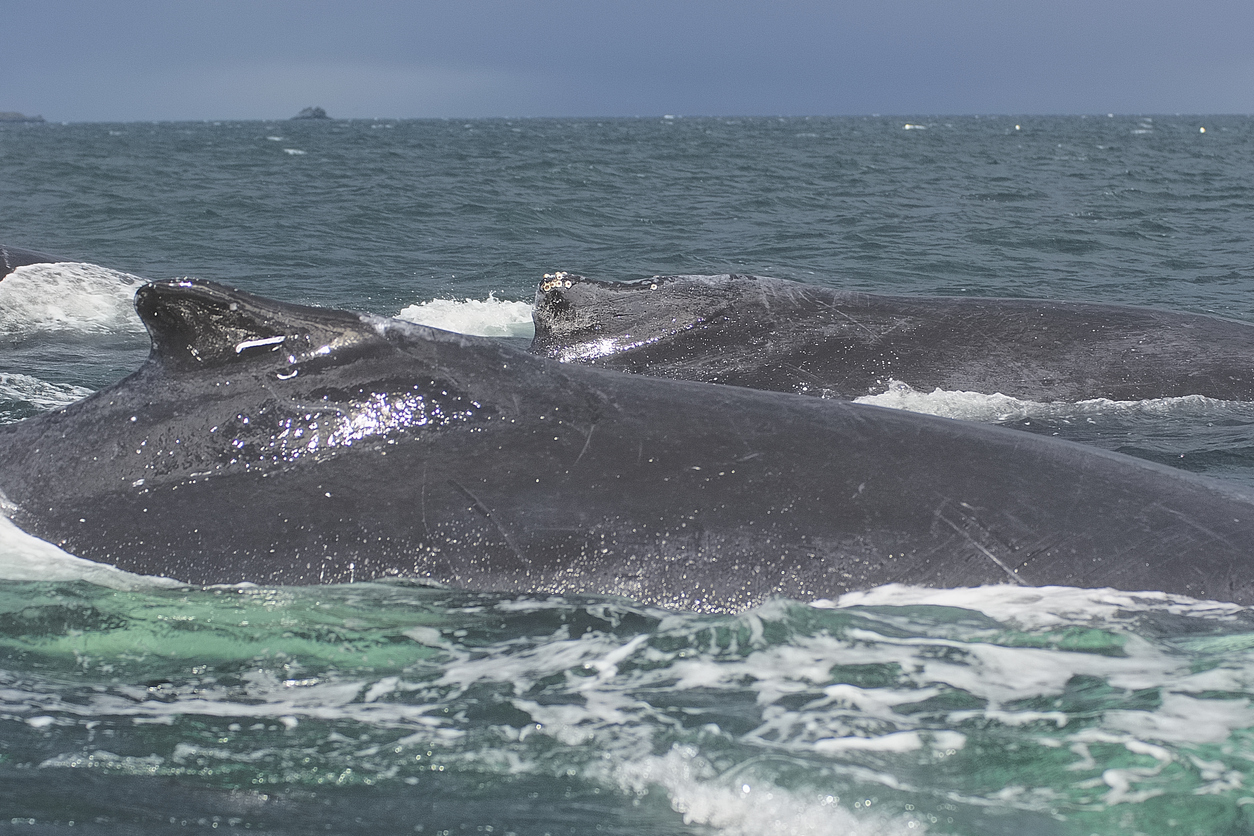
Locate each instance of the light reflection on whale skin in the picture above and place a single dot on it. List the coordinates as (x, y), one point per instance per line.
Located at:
(286, 432)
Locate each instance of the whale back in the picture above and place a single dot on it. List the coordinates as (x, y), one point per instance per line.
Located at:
(276, 443)
(788, 336)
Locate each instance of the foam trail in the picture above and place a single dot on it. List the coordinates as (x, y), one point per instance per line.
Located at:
(489, 317)
(995, 408)
(68, 296)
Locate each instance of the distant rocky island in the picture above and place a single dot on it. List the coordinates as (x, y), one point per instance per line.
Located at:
(14, 116)
(312, 113)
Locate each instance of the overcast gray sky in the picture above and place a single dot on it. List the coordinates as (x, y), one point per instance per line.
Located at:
(254, 59)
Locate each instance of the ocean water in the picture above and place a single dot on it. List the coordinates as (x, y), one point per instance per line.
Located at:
(137, 705)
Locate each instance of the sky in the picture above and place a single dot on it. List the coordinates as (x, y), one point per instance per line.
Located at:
(129, 60)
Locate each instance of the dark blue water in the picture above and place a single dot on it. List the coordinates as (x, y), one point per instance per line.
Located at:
(1125, 209)
(127, 706)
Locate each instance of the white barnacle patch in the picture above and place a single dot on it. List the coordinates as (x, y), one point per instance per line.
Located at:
(554, 281)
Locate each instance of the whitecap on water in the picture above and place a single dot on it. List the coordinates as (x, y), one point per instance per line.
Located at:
(39, 394)
(757, 807)
(489, 317)
(996, 407)
(68, 296)
(1038, 607)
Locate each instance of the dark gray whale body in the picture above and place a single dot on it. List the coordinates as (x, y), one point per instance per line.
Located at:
(277, 443)
(787, 336)
(12, 258)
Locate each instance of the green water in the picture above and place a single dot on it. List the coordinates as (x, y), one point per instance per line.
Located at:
(401, 704)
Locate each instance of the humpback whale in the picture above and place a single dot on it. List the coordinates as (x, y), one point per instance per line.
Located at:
(12, 258)
(276, 443)
(788, 336)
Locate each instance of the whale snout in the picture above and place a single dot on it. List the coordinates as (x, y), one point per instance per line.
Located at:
(196, 324)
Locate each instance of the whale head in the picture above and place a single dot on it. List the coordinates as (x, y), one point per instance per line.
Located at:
(196, 324)
(579, 319)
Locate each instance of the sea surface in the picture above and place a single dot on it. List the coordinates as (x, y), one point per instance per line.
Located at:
(139, 705)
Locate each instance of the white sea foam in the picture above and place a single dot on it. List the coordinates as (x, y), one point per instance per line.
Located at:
(265, 696)
(977, 406)
(1038, 607)
(610, 718)
(39, 393)
(753, 808)
(804, 715)
(68, 296)
(489, 317)
(606, 699)
(24, 557)
(1185, 719)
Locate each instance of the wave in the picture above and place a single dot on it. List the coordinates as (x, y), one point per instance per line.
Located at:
(68, 297)
(1041, 607)
(999, 408)
(22, 396)
(38, 394)
(489, 317)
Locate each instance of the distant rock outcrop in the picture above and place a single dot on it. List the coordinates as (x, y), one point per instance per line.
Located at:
(14, 116)
(312, 113)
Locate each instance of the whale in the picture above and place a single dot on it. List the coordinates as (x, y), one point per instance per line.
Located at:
(273, 443)
(789, 336)
(12, 258)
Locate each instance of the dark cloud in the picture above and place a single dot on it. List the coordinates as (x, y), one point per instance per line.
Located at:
(134, 59)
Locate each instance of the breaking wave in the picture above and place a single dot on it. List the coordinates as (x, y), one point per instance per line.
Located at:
(68, 296)
(999, 408)
(489, 317)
